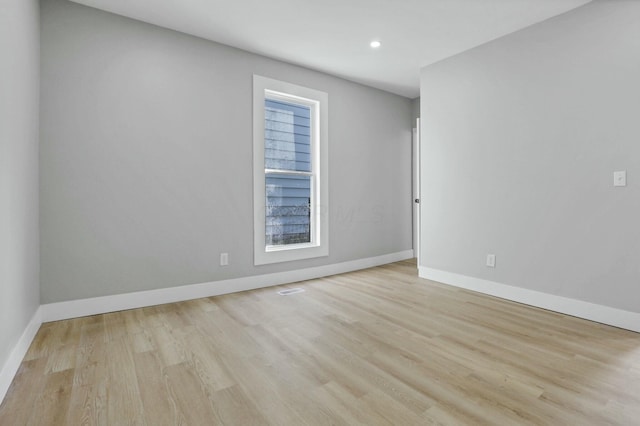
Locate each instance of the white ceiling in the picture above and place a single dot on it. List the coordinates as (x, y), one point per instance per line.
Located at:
(333, 35)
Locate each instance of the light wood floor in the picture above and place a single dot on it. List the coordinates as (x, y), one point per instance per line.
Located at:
(373, 347)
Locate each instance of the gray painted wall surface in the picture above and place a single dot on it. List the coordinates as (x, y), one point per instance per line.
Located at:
(521, 137)
(19, 45)
(146, 158)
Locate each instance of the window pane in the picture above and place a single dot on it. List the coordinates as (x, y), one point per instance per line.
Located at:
(287, 140)
(288, 210)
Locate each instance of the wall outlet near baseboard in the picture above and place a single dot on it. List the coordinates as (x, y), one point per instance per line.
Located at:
(224, 259)
(620, 178)
(491, 260)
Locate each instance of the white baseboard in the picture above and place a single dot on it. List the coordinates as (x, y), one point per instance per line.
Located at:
(10, 367)
(119, 302)
(577, 308)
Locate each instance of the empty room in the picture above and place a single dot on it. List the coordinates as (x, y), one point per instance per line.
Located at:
(412, 212)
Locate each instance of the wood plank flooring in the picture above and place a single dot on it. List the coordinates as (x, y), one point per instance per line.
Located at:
(373, 347)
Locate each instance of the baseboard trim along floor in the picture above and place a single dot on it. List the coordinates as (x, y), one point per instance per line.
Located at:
(564, 305)
(119, 302)
(10, 367)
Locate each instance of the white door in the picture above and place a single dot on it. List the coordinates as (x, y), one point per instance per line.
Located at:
(416, 190)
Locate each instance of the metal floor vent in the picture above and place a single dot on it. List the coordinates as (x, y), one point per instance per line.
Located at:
(290, 291)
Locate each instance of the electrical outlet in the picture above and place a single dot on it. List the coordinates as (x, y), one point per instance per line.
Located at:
(620, 178)
(224, 259)
(491, 260)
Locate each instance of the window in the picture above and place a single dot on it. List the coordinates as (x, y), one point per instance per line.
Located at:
(290, 172)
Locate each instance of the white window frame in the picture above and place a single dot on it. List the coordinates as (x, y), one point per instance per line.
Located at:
(264, 88)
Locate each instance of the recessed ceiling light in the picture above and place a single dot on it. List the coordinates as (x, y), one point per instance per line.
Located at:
(375, 44)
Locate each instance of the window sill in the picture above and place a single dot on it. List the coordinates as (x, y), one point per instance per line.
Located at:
(274, 254)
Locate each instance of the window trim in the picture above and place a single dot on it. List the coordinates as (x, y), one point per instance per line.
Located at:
(263, 88)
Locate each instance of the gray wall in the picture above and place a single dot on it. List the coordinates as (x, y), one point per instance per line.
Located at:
(521, 137)
(19, 47)
(146, 158)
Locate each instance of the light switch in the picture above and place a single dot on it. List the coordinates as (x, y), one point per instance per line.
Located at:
(620, 178)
